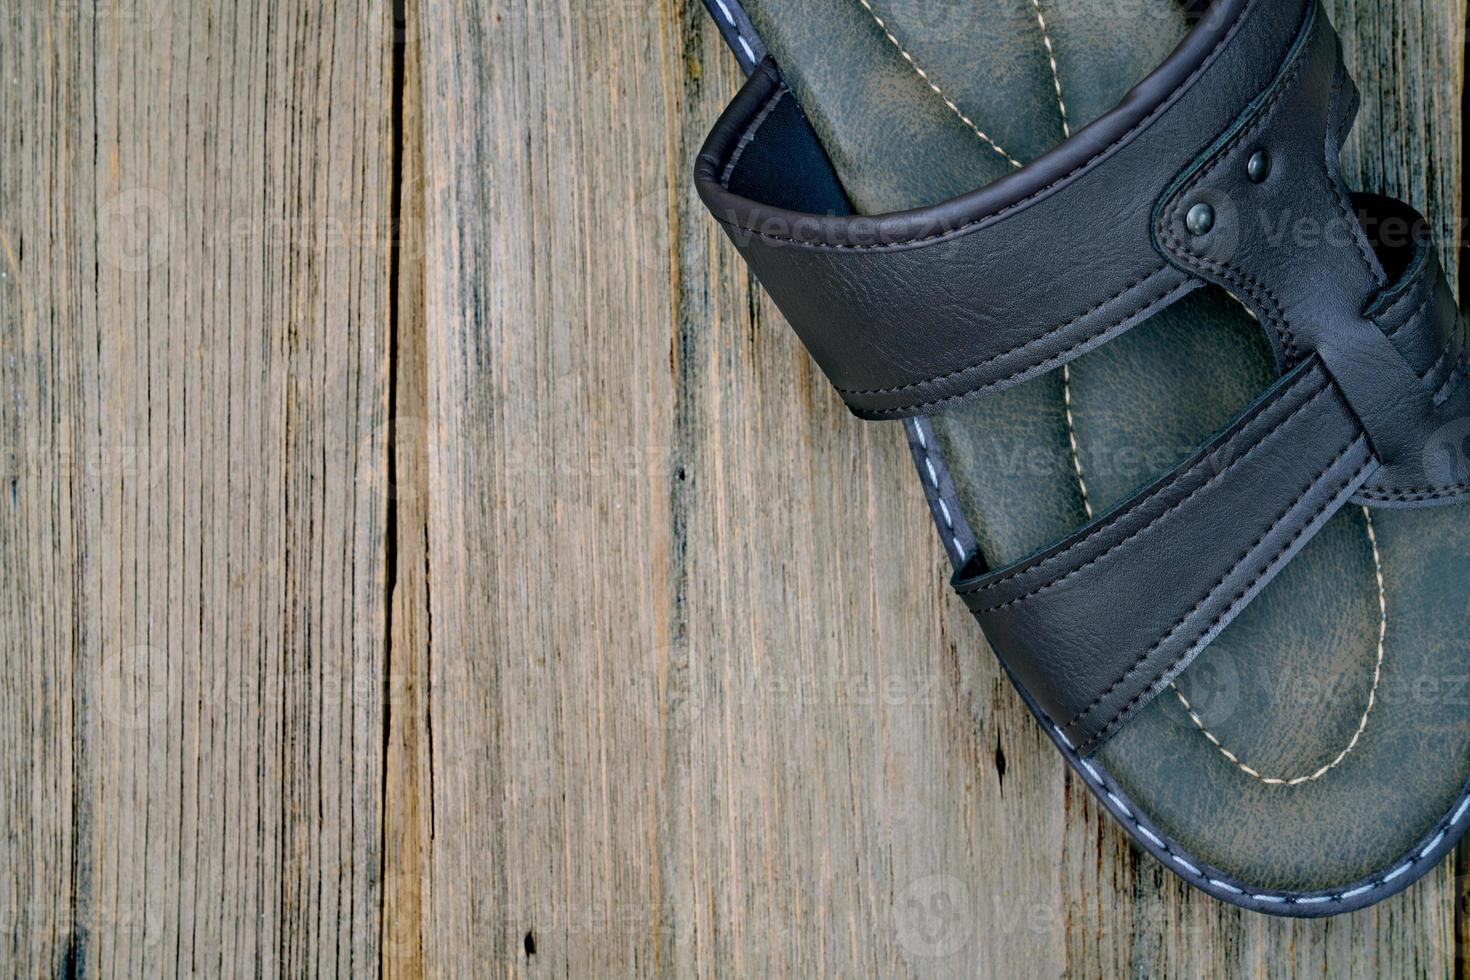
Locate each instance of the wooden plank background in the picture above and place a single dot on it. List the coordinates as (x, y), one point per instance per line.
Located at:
(194, 204)
(427, 551)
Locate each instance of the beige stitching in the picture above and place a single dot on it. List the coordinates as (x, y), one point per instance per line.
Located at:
(1056, 80)
(1372, 691)
(1051, 57)
(1072, 431)
(1072, 438)
(1087, 507)
(935, 88)
(1283, 328)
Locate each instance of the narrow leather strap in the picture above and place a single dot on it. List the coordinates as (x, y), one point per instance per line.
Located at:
(1417, 313)
(1095, 625)
(1419, 317)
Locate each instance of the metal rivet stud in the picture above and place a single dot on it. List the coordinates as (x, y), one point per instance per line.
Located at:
(1258, 168)
(1201, 219)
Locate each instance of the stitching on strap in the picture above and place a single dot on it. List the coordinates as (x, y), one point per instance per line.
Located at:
(1240, 559)
(1428, 297)
(1212, 481)
(1443, 356)
(1269, 303)
(1061, 356)
(1265, 568)
(1413, 496)
(898, 389)
(1421, 494)
(1461, 370)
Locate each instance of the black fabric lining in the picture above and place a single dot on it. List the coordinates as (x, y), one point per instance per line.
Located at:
(780, 162)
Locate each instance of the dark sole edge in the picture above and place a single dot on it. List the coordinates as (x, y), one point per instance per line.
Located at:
(1396, 876)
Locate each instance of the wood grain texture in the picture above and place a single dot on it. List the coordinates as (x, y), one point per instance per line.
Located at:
(406, 827)
(193, 306)
(699, 702)
(427, 552)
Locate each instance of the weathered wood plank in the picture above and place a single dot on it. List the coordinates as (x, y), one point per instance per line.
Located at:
(406, 830)
(698, 702)
(193, 286)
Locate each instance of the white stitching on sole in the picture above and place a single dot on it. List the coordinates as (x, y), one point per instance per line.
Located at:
(739, 35)
(1130, 820)
(954, 538)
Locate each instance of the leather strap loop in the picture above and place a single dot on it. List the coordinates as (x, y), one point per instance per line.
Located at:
(1294, 249)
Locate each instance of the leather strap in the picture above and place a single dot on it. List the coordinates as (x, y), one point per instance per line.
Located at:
(1098, 623)
(1427, 341)
(911, 311)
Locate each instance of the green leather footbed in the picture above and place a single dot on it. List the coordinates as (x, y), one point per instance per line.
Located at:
(1285, 687)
